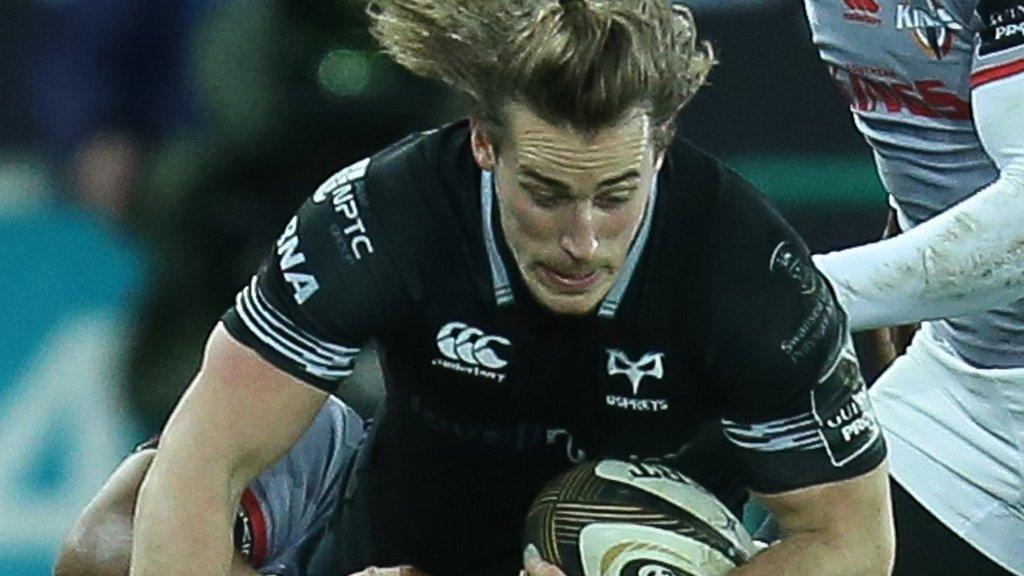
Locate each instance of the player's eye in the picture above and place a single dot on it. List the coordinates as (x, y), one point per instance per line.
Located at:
(614, 199)
(543, 198)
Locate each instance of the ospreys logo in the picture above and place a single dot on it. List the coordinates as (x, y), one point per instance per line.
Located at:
(788, 261)
(819, 322)
(930, 24)
(648, 365)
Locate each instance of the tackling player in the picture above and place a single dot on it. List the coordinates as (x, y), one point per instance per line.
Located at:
(558, 278)
(280, 514)
(937, 89)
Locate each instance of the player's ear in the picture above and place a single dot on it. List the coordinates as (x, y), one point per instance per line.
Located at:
(483, 148)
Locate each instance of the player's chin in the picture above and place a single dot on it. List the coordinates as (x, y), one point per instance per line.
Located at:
(574, 306)
(569, 303)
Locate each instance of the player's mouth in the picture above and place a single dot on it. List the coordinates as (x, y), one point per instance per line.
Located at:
(569, 282)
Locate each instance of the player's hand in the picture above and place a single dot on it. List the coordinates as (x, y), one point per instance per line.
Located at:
(534, 565)
(889, 343)
(882, 347)
(393, 571)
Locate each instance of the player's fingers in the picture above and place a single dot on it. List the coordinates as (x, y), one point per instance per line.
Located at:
(393, 571)
(901, 337)
(881, 345)
(535, 566)
(542, 568)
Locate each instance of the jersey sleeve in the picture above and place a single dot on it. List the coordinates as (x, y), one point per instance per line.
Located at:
(287, 505)
(997, 82)
(999, 43)
(792, 397)
(329, 284)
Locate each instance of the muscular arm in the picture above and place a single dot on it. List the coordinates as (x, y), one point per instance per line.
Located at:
(238, 416)
(100, 542)
(852, 516)
(970, 258)
(966, 260)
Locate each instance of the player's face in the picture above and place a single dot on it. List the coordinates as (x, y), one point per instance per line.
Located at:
(571, 203)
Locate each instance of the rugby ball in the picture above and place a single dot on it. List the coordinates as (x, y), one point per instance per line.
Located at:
(616, 518)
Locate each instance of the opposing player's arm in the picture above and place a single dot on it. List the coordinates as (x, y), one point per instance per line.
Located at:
(238, 416)
(276, 515)
(100, 542)
(968, 259)
(794, 403)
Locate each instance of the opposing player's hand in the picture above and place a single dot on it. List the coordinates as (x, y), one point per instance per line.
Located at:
(534, 565)
(393, 571)
(887, 344)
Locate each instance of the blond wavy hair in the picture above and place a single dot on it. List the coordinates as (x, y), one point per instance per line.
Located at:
(584, 64)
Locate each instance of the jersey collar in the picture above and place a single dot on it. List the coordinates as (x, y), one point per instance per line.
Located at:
(503, 294)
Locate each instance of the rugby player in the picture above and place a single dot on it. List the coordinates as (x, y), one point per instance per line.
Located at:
(557, 278)
(279, 514)
(937, 89)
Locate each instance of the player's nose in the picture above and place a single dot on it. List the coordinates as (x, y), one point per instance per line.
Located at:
(579, 237)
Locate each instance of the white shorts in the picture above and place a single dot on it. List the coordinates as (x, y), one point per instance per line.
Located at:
(956, 443)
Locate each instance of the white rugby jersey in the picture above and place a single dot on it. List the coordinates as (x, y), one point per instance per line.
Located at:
(908, 68)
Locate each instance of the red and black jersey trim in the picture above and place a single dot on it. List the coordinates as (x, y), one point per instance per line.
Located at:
(251, 538)
(250, 535)
(993, 73)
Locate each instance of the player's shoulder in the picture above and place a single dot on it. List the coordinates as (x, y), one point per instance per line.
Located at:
(700, 178)
(724, 235)
(692, 171)
(736, 218)
(403, 177)
(396, 203)
(428, 156)
(769, 309)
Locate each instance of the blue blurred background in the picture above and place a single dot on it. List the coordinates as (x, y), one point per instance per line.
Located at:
(151, 151)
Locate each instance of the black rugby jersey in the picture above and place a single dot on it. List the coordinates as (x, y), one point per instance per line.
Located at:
(719, 350)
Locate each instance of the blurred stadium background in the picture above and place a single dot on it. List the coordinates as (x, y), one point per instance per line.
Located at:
(150, 152)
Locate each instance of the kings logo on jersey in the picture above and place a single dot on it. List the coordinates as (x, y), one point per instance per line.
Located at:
(930, 24)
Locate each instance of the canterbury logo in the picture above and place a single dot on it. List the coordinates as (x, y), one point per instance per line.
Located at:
(457, 341)
(649, 365)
